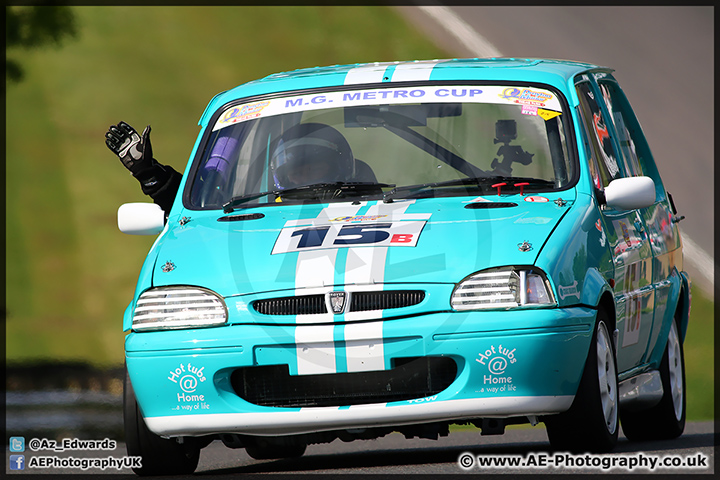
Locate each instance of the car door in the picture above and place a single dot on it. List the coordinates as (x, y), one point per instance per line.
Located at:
(659, 222)
(627, 234)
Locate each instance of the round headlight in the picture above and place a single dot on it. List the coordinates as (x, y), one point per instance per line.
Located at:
(178, 307)
(507, 287)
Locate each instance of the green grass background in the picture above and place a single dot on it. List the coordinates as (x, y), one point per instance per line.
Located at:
(70, 273)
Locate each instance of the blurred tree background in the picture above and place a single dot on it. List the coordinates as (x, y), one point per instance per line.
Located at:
(35, 26)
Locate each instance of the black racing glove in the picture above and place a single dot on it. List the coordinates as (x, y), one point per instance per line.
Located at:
(134, 151)
(158, 181)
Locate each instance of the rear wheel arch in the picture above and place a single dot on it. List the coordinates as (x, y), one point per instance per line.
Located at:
(682, 311)
(607, 304)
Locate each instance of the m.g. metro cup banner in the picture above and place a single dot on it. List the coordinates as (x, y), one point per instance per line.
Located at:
(522, 96)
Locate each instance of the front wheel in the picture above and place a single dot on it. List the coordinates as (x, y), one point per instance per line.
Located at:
(665, 420)
(159, 456)
(591, 424)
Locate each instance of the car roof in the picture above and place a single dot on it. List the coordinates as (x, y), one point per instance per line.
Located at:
(556, 73)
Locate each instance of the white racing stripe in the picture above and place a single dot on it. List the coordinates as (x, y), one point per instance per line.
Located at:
(315, 268)
(396, 211)
(373, 73)
(701, 261)
(365, 266)
(316, 272)
(364, 346)
(315, 347)
(413, 71)
(403, 72)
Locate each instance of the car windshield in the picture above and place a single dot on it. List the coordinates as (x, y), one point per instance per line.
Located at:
(434, 140)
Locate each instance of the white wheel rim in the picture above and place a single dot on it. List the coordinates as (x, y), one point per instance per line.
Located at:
(607, 378)
(675, 371)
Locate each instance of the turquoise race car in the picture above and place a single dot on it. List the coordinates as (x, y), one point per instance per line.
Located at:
(362, 249)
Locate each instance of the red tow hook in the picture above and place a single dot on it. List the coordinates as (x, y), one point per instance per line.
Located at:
(521, 185)
(498, 186)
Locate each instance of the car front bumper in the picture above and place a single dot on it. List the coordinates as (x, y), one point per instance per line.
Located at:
(509, 364)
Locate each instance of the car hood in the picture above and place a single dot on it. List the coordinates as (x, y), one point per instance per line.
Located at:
(286, 247)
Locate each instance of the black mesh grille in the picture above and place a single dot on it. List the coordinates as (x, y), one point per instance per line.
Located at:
(360, 302)
(303, 305)
(411, 378)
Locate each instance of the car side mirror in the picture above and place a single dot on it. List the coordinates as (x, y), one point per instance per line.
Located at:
(630, 193)
(141, 219)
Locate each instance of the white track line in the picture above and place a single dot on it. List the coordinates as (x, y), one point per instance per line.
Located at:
(703, 262)
(464, 33)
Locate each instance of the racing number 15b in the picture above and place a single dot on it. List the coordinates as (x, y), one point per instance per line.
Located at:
(348, 235)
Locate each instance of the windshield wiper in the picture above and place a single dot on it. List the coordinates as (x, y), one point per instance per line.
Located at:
(485, 182)
(339, 190)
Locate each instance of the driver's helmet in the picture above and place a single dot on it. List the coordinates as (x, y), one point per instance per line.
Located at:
(311, 153)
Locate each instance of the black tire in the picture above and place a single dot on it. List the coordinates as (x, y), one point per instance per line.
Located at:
(665, 420)
(592, 424)
(275, 452)
(159, 456)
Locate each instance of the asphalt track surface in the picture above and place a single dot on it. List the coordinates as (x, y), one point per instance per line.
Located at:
(664, 60)
(393, 454)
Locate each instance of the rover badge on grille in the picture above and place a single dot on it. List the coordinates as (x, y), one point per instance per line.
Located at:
(337, 301)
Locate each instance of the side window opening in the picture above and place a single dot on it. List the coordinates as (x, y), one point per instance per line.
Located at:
(604, 158)
(592, 156)
(634, 147)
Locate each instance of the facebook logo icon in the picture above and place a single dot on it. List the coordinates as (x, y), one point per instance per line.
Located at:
(17, 462)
